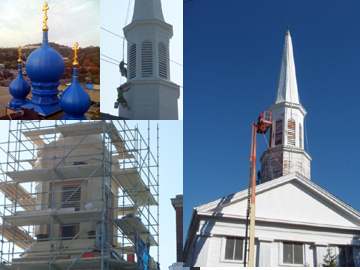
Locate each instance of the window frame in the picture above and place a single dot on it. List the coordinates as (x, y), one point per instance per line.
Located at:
(71, 190)
(281, 253)
(75, 226)
(223, 250)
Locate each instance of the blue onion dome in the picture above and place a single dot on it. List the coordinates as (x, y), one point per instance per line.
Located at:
(74, 101)
(45, 64)
(19, 88)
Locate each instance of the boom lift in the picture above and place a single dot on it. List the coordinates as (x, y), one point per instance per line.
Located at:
(264, 122)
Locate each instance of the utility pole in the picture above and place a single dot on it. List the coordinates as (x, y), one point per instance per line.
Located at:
(261, 127)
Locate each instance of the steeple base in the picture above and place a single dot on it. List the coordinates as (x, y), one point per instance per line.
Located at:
(280, 161)
(44, 99)
(151, 100)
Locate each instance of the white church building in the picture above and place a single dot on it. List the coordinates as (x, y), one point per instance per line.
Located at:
(298, 223)
(149, 93)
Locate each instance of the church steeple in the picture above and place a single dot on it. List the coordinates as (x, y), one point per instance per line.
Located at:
(287, 89)
(286, 153)
(149, 93)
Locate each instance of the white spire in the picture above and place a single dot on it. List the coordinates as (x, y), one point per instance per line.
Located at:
(148, 10)
(287, 90)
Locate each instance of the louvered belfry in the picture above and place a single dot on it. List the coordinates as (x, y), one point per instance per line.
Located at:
(286, 153)
(151, 93)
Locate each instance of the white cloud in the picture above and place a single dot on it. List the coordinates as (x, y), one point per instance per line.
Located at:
(69, 21)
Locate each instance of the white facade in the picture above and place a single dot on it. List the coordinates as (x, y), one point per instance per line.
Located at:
(151, 94)
(289, 209)
(297, 222)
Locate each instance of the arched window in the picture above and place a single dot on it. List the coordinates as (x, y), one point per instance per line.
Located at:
(163, 61)
(132, 61)
(291, 132)
(278, 132)
(147, 59)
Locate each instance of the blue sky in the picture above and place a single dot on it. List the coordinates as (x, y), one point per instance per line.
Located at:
(69, 21)
(233, 53)
(171, 176)
(114, 17)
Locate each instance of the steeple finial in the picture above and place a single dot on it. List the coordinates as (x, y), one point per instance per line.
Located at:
(19, 55)
(287, 89)
(45, 10)
(76, 50)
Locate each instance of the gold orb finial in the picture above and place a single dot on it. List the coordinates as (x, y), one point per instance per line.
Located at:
(19, 55)
(76, 50)
(45, 10)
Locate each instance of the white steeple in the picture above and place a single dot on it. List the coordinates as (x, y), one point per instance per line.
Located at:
(148, 10)
(149, 93)
(288, 90)
(286, 153)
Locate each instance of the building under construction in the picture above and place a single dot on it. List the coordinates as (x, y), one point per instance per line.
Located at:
(79, 195)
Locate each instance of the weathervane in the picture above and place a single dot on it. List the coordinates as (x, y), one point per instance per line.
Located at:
(76, 50)
(20, 55)
(45, 10)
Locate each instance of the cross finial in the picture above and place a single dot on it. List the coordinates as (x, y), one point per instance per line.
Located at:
(20, 55)
(45, 11)
(76, 50)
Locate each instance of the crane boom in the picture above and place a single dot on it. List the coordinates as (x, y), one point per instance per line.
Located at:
(263, 124)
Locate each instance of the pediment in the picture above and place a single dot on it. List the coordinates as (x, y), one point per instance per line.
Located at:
(290, 200)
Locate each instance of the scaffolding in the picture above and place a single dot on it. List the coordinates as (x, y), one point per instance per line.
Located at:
(79, 195)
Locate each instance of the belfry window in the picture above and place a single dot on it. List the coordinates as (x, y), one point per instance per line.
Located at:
(69, 231)
(71, 196)
(163, 61)
(147, 59)
(278, 132)
(132, 61)
(291, 132)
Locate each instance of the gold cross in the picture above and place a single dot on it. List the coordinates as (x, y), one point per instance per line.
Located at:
(20, 55)
(76, 50)
(45, 10)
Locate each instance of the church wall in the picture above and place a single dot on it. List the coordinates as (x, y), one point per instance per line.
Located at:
(265, 253)
(269, 238)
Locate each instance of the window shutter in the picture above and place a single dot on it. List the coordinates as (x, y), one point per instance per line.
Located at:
(291, 132)
(132, 61)
(163, 61)
(147, 59)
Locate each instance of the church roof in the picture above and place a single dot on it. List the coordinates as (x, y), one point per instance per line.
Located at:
(319, 193)
(287, 89)
(148, 10)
